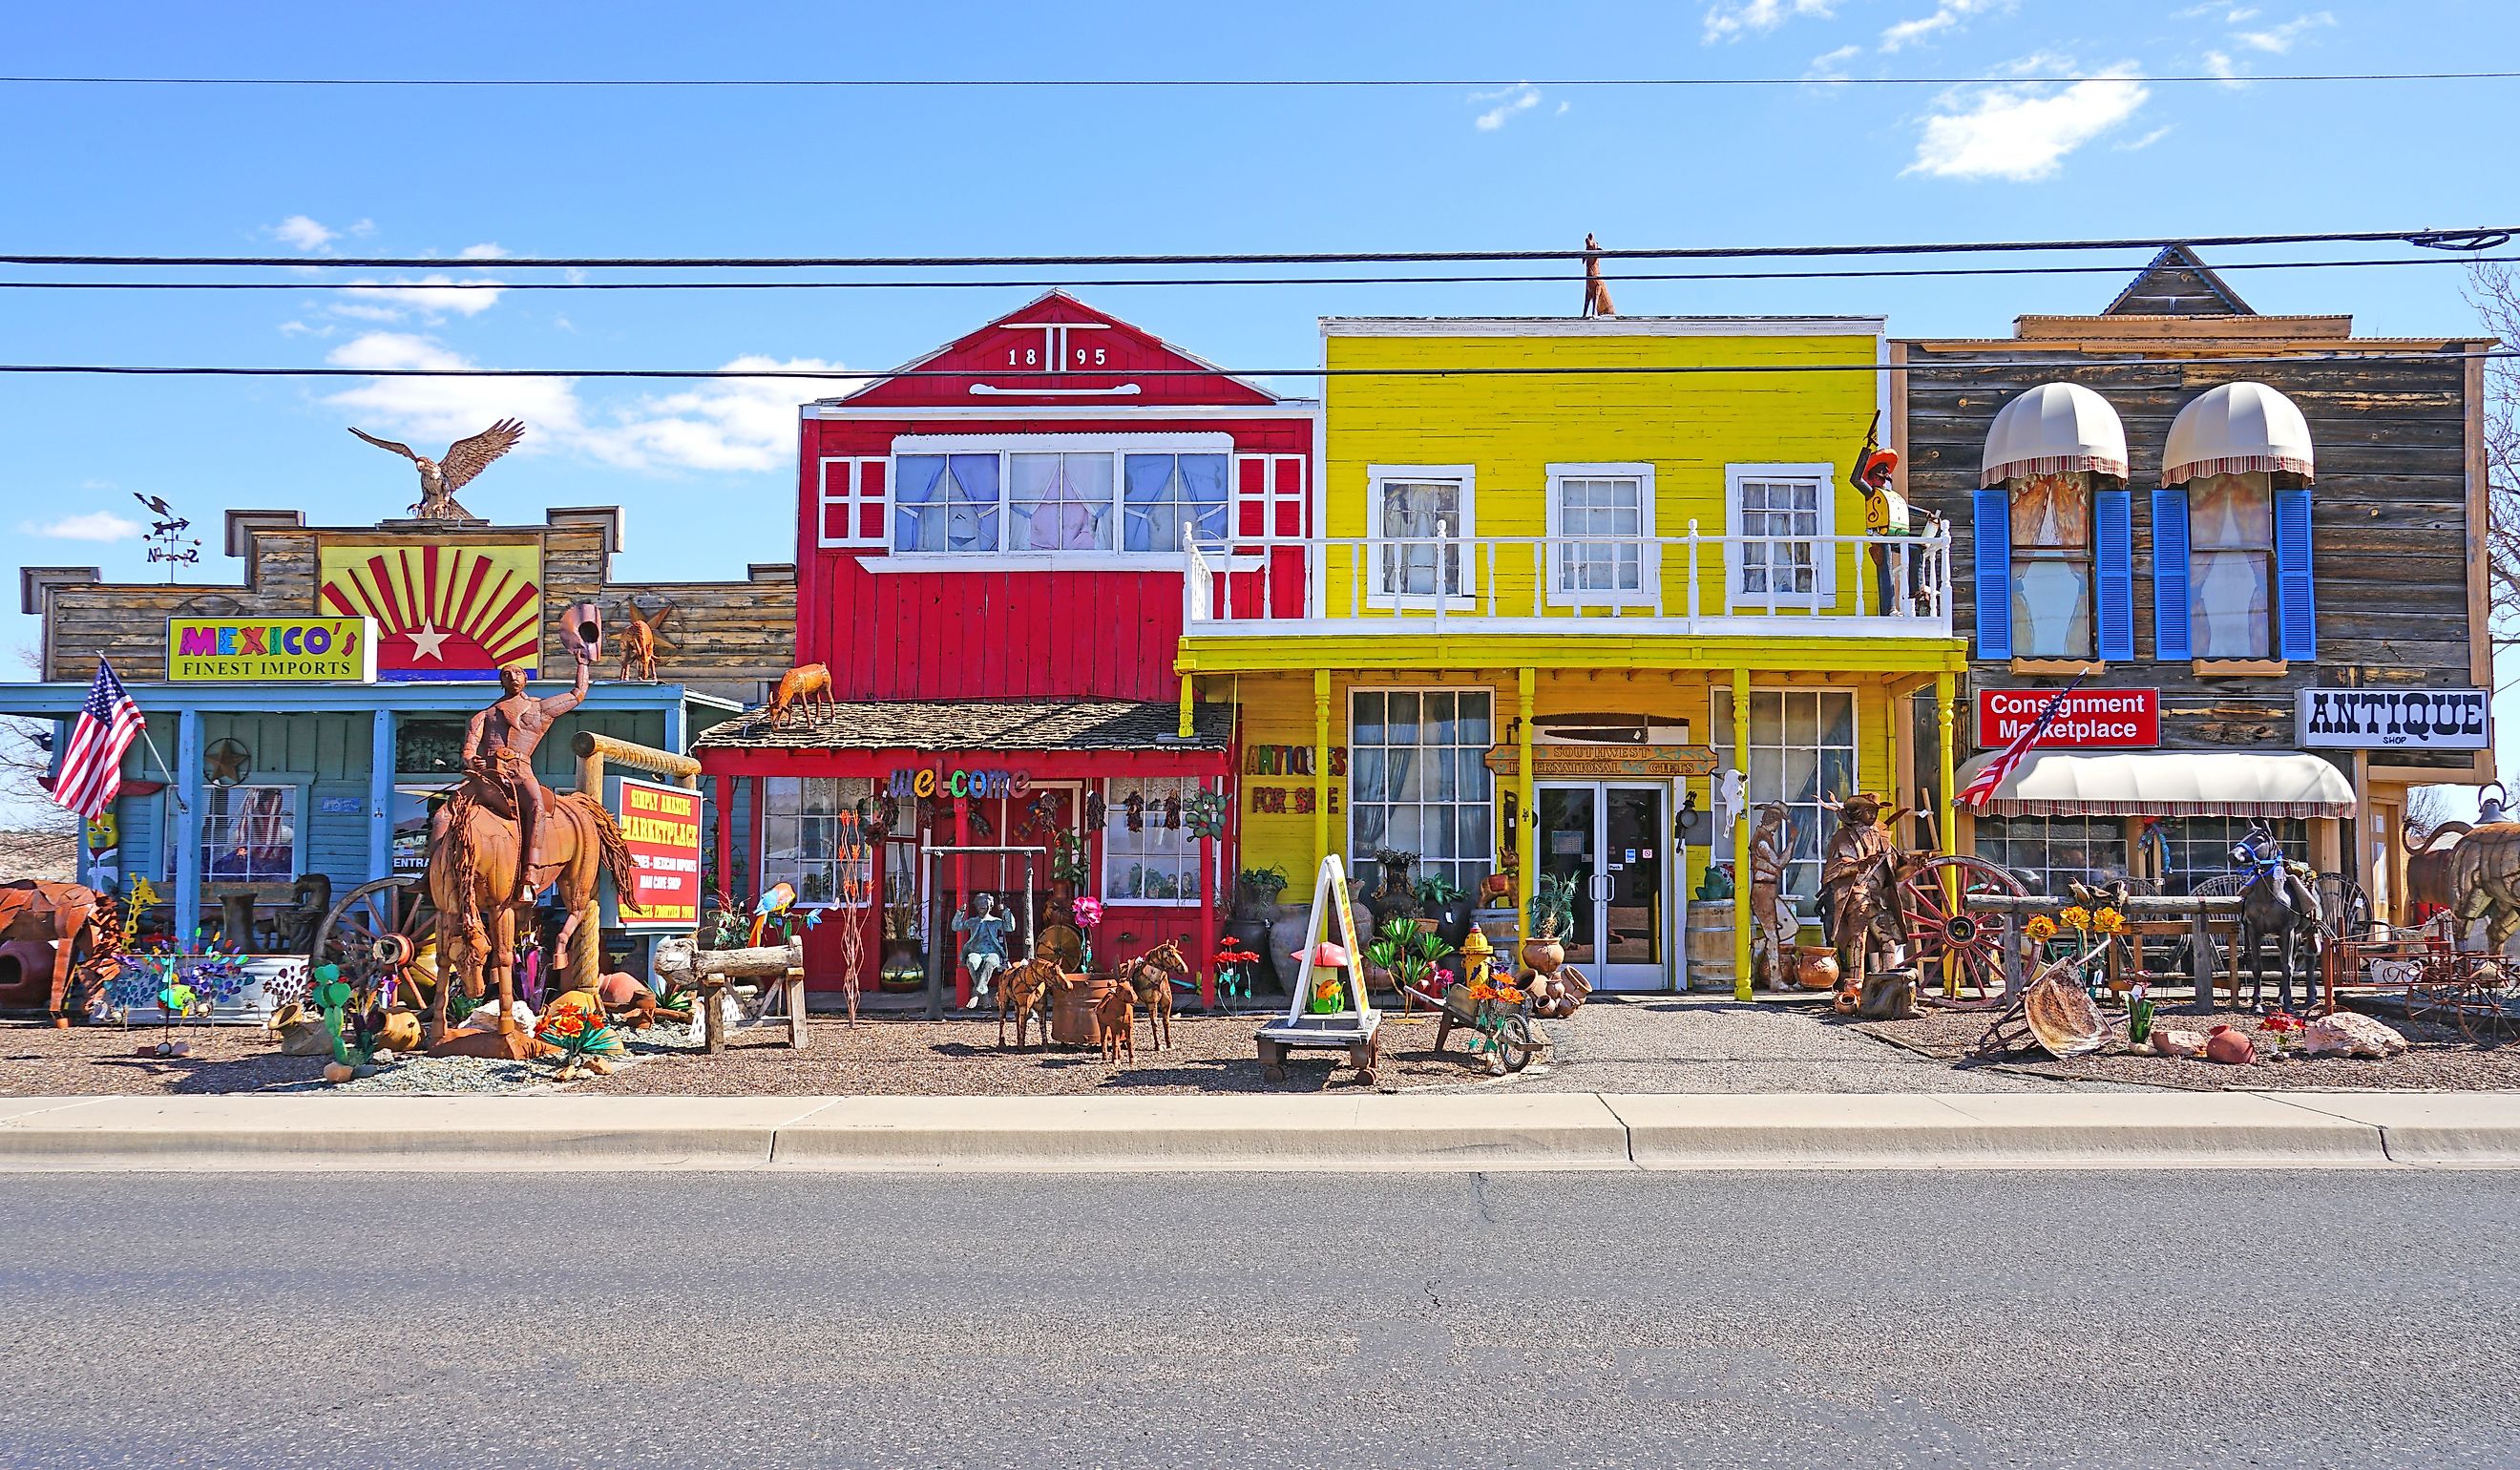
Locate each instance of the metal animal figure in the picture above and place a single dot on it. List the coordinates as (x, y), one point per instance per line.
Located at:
(640, 641)
(799, 686)
(1151, 975)
(2429, 864)
(440, 478)
(2279, 902)
(1023, 991)
(1596, 292)
(1116, 1015)
(1771, 921)
(55, 913)
(2485, 880)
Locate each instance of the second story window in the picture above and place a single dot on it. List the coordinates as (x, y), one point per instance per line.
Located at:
(2050, 517)
(945, 503)
(1781, 517)
(2231, 565)
(1419, 517)
(1058, 502)
(2232, 576)
(1615, 502)
(1167, 496)
(1021, 496)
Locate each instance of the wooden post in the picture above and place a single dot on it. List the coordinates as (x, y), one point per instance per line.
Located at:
(713, 1013)
(795, 988)
(1189, 706)
(1742, 840)
(962, 897)
(1526, 784)
(1321, 765)
(380, 795)
(1945, 804)
(187, 827)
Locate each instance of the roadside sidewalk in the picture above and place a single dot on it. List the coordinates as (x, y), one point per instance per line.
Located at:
(1365, 1132)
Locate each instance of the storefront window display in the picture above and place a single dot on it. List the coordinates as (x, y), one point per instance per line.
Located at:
(249, 835)
(800, 832)
(2200, 848)
(1801, 748)
(1418, 781)
(1149, 855)
(2051, 852)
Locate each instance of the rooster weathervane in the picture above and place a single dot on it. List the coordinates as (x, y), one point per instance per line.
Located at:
(440, 478)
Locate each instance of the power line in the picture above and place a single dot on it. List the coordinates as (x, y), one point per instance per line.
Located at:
(1219, 83)
(2483, 238)
(915, 283)
(2128, 359)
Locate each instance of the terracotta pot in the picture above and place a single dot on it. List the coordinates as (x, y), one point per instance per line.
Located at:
(1815, 966)
(1072, 1022)
(1543, 957)
(2233, 1048)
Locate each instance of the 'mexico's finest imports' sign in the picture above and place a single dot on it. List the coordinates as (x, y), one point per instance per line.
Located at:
(275, 649)
(2394, 719)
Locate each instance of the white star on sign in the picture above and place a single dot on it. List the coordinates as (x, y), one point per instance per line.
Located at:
(428, 643)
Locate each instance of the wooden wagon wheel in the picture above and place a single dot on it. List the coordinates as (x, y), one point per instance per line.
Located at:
(1957, 944)
(373, 934)
(2344, 910)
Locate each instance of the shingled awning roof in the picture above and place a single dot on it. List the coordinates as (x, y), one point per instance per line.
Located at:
(978, 725)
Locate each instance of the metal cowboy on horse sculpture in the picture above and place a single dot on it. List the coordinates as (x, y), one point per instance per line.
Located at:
(2278, 898)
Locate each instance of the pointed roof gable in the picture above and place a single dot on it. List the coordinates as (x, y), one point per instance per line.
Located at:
(1056, 350)
(2175, 283)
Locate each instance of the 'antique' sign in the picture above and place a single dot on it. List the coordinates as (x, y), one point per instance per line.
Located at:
(1573, 761)
(2394, 719)
(2091, 719)
(271, 649)
(661, 827)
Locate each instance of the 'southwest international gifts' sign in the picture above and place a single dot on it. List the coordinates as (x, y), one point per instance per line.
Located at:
(2089, 720)
(2394, 719)
(272, 649)
(661, 827)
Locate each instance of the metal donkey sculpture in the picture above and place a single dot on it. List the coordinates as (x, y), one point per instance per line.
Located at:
(2279, 899)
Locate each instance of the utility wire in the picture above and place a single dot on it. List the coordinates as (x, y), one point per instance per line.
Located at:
(2468, 239)
(1220, 83)
(2127, 359)
(914, 283)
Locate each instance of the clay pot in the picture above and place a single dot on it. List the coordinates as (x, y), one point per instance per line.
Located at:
(2233, 1048)
(1845, 1001)
(1815, 966)
(1543, 957)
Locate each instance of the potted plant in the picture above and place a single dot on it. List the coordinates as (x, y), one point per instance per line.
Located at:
(1552, 916)
(1257, 890)
(1395, 896)
(1447, 905)
(1383, 953)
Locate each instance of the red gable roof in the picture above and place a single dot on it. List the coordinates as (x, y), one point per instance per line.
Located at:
(1058, 350)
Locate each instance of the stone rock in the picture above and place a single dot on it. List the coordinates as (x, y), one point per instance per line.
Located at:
(2233, 1048)
(2177, 1042)
(2351, 1034)
(620, 989)
(337, 1073)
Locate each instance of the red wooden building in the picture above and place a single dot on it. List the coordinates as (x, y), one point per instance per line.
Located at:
(990, 563)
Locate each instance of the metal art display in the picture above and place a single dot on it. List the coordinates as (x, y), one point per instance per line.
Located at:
(1858, 878)
(1152, 976)
(440, 478)
(1772, 924)
(640, 641)
(2278, 900)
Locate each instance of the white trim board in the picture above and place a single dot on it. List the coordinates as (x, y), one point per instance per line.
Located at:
(1213, 441)
(1332, 326)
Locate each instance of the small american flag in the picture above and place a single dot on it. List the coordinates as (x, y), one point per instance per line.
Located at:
(1981, 787)
(92, 768)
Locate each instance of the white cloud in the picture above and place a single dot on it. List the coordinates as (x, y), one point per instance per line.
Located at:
(431, 296)
(2275, 40)
(1515, 98)
(94, 526)
(1731, 21)
(304, 234)
(729, 424)
(2220, 64)
(1831, 66)
(2146, 141)
(2022, 132)
(488, 249)
(1947, 16)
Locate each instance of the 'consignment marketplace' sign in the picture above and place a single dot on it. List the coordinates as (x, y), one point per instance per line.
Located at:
(271, 649)
(2091, 719)
(661, 828)
(2395, 719)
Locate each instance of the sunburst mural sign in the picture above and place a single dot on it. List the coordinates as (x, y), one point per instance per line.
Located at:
(444, 609)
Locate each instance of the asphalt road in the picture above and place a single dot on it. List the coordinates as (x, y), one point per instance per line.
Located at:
(2361, 1318)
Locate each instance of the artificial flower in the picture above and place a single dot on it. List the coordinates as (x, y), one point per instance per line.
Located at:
(2041, 929)
(2109, 922)
(2076, 917)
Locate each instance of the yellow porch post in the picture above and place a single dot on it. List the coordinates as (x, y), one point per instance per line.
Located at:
(1947, 829)
(1741, 840)
(1321, 765)
(1189, 697)
(1526, 781)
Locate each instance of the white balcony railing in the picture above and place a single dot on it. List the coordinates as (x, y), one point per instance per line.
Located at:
(1789, 586)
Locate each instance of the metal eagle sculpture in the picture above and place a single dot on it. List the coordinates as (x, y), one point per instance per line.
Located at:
(440, 478)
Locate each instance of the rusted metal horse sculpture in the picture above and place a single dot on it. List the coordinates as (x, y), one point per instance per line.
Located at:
(1151, 975)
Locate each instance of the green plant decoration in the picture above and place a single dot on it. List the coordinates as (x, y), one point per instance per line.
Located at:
(1435, 889)
(1553, 904)
(2138, 1016)
(330, 995)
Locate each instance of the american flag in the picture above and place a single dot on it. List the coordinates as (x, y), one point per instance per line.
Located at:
(1981, 787)
(92, 768)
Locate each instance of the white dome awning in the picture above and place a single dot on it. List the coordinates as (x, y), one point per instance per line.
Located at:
(2054, 427)
(2169, 784)
(2238, 428)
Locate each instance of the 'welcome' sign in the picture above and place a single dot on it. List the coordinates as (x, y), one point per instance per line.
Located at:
(271, 649)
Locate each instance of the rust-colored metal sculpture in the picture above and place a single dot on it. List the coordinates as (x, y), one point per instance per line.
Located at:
(1151, 975)
(640, 641)
(1771, 934)
(46, 913)
(799, 686)
(440, 478)
(503, 838)
(2485, 880)
(1857, 874)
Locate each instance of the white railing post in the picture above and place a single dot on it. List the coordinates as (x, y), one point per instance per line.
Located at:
(1488, 550)
(1443, 571)
(1692, 573)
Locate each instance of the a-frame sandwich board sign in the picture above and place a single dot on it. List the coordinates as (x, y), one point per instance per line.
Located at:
(1356, 1025)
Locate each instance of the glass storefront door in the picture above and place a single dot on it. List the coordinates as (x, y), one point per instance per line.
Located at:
(1612, 840)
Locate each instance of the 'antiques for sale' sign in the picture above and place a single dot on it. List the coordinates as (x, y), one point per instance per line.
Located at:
(2091, 719)
(661, 827)
(2394, 719)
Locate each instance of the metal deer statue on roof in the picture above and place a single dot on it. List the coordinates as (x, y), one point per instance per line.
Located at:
(1596, 292)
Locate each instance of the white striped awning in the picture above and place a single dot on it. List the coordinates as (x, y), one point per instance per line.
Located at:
(2233, 429)
(2169, 784)
(2053, 428)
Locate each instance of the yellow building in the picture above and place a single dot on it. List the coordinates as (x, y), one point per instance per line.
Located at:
(1562, 572)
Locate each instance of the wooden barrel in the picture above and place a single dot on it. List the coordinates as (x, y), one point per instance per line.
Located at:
(1710, 947)
(1071, 1010)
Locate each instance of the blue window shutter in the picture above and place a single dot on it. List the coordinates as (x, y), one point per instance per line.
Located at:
(2170, 633)
(2113, 546)
(2296, 600)
(1993, 534)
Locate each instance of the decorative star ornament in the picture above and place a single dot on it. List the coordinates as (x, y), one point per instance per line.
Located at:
(429, 642)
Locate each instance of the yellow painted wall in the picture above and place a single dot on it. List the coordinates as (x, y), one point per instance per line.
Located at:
(1512, 427)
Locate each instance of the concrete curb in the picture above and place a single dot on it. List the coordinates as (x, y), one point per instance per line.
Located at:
(1448, 1133)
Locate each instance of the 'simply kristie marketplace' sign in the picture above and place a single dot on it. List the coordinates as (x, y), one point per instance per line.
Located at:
(2395, 719)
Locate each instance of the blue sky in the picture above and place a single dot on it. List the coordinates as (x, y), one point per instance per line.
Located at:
(705, 470)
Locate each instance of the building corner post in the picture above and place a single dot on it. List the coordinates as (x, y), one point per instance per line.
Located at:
(1526, 781)
(188, 825)
(1742, 840)
(1946, 831)
(380, 792)
(1188, 704)
(1321, 765)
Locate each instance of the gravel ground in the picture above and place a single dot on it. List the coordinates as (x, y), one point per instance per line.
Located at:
(2439, 1059)
(39, 1061)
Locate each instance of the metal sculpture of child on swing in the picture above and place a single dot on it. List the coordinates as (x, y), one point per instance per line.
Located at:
(984, 944)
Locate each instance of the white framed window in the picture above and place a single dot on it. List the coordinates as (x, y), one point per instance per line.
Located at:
(2232, 565)
(1149, 855)
(1420, 521)
(1418, 780)
(851, 510)
(1270, 496)
(1802, 750)
(1074, 501)
(1788, 512)
(1616, 503)
(249, 835)
(802, 834)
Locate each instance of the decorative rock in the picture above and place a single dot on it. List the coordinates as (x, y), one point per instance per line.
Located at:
(306, 1036)
(2233, 1048)
(2178, 1044)
(620, 989)
(339, 1072)
(2351, 1034)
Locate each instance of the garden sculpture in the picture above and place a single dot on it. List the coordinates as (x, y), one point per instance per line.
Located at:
(2430, 862)
(54, 913)
(1596, 292)
(640, 641)
(1857, 875)
(984, 944)
(2485, 880)
(799, 686)
(504, 837)
(1023, 991)
(1771, 925)
(2277, 900)
(439, 479)
(1115, 1015)
(1151, 975)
